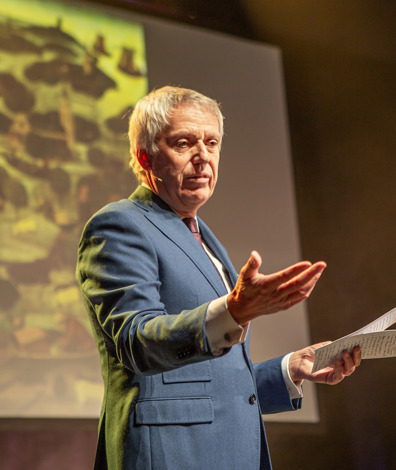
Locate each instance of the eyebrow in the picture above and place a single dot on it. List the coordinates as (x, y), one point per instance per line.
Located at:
(191, 135)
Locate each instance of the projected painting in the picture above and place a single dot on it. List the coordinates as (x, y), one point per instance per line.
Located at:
(69, 77)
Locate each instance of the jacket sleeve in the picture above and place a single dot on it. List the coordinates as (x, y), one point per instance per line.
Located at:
(272, 391)
(119, 275)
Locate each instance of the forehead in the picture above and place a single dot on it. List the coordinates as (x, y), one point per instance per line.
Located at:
(192, 118)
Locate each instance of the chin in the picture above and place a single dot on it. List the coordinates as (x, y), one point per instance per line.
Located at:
(199, 197)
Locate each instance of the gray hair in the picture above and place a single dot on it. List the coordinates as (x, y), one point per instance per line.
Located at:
(150, 117)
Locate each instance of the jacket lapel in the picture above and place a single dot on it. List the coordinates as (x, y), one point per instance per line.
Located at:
(172, 227)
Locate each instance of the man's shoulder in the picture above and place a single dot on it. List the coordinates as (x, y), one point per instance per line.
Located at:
(114, 209)
(138, 200)
(137, 214)
(119, 215)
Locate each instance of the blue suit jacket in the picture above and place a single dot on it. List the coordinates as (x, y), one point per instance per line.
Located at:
(169, 403)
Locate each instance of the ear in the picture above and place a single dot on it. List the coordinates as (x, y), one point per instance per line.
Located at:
(143, 159)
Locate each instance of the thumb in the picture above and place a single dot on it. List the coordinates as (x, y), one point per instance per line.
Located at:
(252, 266)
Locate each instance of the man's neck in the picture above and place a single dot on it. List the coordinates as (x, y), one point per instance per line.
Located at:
(145, 185)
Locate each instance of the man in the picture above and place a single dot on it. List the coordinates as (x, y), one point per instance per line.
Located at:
(171, 316)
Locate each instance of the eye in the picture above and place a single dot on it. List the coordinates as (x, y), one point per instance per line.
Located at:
(182, 143)
(212, 143)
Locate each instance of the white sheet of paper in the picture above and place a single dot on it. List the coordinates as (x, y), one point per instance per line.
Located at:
(374, 342)
(380, 324)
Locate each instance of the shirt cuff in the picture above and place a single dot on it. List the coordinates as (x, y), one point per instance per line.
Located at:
(222, 331)
(295, 391)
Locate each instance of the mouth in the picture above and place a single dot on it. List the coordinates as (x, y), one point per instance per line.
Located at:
(201, 178)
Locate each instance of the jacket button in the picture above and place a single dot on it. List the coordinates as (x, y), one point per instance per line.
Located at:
(252, 399)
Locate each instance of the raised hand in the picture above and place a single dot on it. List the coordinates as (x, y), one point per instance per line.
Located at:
(257, 294)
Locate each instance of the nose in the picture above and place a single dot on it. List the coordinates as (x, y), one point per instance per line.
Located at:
(201, 152)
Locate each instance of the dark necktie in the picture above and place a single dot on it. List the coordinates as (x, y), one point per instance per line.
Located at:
(193, 226)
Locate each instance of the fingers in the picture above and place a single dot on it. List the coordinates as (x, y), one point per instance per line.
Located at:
(357, 356)
(334, 374)
(350, 362)
(301, 285)
(347, 366)
(289, 273)
(338, 373)
(251, 267)
(299, 288)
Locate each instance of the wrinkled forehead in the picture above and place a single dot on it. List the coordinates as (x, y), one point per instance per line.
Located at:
(190, 115)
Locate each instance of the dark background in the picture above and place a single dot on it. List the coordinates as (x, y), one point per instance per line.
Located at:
(340, 75)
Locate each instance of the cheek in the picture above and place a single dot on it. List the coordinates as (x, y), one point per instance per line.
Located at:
(178, 167)
(215, 169)
(213, 183)
(167, 169)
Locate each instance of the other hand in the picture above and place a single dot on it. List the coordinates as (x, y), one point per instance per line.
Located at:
(301, 363)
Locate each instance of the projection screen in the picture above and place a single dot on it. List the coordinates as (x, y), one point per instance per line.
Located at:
(70, 73)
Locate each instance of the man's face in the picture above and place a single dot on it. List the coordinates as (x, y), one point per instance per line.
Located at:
(186, 164)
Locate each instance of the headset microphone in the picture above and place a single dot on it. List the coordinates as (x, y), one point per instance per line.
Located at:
(156, 178)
